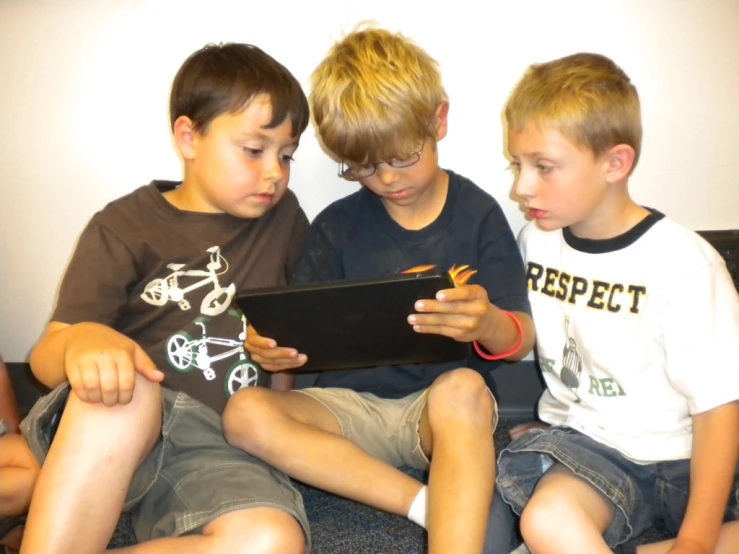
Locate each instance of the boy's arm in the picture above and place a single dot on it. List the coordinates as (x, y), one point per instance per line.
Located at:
(712, 468)
(505, 334)
(319, 261)
(80, 341)
(476, 312)
(464, 313)
(47, 357)
(700, 331)
(507, 290)
(298, 237)
(98, 361)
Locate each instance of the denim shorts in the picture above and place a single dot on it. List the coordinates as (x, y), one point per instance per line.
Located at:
(190, 477)
(641, 493)
(385, 428)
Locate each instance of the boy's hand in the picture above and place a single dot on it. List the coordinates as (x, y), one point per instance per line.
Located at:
(521, 429)
(271, 357)
(462, 313)
(101, 364)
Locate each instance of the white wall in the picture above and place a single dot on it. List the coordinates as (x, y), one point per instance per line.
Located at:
(84, 87)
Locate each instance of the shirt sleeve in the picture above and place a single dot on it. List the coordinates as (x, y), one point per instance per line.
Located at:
(96, 284)
(298, 237)
(321, 259)
(503, 266)
(701, 338)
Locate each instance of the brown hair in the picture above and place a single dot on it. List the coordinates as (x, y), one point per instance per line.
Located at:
(225, 78)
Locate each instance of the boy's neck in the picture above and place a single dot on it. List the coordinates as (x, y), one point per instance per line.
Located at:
(615, 216)
(426, 207)
(183, 199)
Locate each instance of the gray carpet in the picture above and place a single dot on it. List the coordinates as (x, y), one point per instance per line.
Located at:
(340, 526)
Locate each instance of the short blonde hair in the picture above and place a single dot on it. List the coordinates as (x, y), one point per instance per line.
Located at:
(374, 96)
(586, 97)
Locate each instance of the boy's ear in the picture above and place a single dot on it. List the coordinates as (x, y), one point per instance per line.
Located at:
(620, 161)
(184, 134)
(440, 120)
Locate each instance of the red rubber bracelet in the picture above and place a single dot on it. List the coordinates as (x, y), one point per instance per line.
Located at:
(485, 356)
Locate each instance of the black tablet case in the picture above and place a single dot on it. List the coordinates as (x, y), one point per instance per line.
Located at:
(352, 323)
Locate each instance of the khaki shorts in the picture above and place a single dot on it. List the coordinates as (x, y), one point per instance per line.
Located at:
(385, 428)
(191, 476)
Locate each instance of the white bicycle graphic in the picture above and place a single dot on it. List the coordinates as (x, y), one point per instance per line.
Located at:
(158, 291)
(185, 354)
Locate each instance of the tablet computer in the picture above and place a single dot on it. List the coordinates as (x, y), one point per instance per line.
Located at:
(352, 323)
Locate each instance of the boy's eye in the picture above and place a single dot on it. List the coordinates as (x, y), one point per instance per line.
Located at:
(253, 151)
(514, 166)
(544, 168)
(400, 159)
(287, 159)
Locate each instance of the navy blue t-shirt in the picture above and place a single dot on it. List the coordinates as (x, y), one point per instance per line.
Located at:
(356, 238)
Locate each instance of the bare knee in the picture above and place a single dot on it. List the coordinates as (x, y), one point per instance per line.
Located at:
(561, 508)
(145, 405)
(255, 531)
(248, 419)
(137, 423)
(460, 394)
(539, 520)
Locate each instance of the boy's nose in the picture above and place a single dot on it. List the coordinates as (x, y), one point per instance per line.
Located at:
(274, 171)
(387, 174)
(525, 185)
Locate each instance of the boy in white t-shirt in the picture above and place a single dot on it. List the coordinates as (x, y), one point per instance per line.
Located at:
(637, 335)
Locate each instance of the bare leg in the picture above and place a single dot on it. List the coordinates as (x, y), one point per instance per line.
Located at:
(254, 531)
(299, 436)
(566, 515)
(456, 430)
(728, 542)
(18, 473)
(86, 475)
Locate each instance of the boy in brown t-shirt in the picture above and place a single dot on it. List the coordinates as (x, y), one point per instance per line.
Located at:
(144, 348)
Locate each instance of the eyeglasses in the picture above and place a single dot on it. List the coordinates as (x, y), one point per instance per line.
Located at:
(362, 171)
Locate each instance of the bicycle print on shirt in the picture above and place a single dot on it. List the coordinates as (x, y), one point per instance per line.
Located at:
(213, 342)
(159, 290)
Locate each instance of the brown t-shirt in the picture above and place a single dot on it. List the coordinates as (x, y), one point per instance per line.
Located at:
(166, 278)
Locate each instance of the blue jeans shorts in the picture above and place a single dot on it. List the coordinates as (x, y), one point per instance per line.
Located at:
(190, 477)
(641, 493)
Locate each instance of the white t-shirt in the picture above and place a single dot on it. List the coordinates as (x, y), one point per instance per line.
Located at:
(634, 334)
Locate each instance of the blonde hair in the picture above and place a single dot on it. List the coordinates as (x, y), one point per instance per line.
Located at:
(586, 97)
(374, 96)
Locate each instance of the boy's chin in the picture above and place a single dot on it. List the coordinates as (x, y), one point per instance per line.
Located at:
(249, 212)
(548, 224)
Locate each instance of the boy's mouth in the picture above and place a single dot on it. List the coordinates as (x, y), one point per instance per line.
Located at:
(399, 194)
(536, 213)
(264, 198)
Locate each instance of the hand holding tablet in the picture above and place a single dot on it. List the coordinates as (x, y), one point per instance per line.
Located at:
(347, 324)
